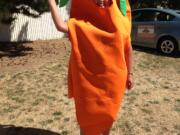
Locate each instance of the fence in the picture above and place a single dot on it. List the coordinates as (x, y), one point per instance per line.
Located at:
(26, 28)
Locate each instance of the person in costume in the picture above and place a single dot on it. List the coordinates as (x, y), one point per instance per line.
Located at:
(100, 65)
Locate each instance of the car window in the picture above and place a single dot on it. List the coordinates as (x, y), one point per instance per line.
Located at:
(146, 16)
(160, 16)
(143, 16)
(178, 12)
(136, 15)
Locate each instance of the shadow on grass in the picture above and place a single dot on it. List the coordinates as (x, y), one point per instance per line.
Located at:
(14, 49)
(154, 51)
(12, 130)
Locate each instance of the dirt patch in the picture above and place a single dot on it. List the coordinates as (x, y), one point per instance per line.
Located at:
(23, 56)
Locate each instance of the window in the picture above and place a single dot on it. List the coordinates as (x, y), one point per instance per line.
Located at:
(178, 12)
(136, 15)
(142, 16)
(147, 16)
(160, 16)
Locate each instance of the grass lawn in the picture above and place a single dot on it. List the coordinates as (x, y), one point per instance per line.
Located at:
(33, 91)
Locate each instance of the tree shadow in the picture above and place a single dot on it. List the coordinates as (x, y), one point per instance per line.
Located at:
(5, 32)
(13, 31)
(154, 51)
(13, 130)
(14, 49)
(22, 35)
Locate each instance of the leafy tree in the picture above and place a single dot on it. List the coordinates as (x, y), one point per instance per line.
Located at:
(173, 4)
(32, 8)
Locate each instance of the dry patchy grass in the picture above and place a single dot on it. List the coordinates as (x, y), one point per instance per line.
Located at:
(36, 95)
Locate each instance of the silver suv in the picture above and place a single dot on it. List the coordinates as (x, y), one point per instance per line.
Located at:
(156, 28)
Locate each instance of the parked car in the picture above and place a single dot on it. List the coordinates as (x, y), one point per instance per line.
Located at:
(156, 28)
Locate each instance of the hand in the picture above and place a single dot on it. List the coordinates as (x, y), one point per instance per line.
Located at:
(129, 82)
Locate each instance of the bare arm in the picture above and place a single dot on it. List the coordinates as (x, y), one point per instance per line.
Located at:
(129, 63)
(129, 59)
(58, 21)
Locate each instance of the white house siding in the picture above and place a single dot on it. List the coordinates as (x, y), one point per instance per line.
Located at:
(26, 28)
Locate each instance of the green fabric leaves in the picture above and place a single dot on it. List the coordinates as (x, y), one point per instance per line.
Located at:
(123, 7)
(62, 3)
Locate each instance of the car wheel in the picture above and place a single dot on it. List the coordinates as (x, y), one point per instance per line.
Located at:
(167, 45)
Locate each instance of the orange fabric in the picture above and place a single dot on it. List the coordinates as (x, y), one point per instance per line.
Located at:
(97, 68)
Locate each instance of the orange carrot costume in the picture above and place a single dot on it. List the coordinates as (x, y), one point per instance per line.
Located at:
(97, 67)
